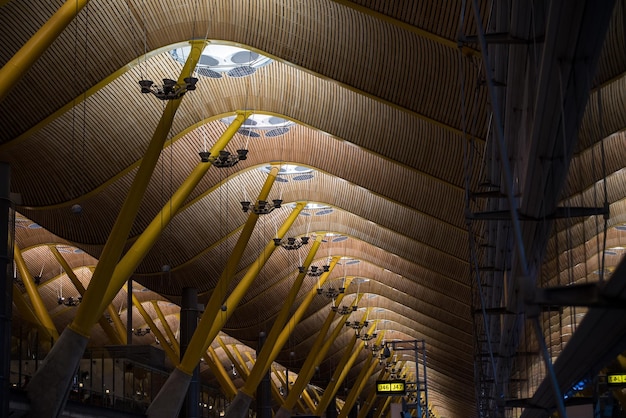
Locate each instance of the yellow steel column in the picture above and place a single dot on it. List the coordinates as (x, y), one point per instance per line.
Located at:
(217, 368)
(331, 389)
(359, 383)
(242, 362)
(299, 313)
(307, 400)
(166, 327)
(357, 350)
(115, 317)
(128, 264)
(264, 358)
(274, 389)
(23, 59)
(153, 328)
(316, 355)
(93, 305)
(343, 370)
(35, 298)
(209, 327)
(369, 400)
(282, 379)
(233, 360)
(26, 312)
(104, 324)
(383, 408)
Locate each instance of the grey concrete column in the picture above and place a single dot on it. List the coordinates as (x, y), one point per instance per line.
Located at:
(188, 323)
(263, 391)
(7, 229)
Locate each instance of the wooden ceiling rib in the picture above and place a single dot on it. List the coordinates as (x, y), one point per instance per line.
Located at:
(373, 88)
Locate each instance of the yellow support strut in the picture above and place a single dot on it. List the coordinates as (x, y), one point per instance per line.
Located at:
(114, 337)
(342, 370)
(35, 298)
(265, 358)
(23, 59)
(243, 373)
(299, 313)
(167, 328)
(217, 368)
(128, 264)
(202, 338)
(153, 328)
(27, 313)
(92, 306)
(360, 382)
(318, 352)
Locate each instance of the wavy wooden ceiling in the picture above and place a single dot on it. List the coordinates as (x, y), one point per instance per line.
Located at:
(374, 88)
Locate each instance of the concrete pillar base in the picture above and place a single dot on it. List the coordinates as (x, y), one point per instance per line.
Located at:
(239, 407)
(50, 386)
(169, 400)
(282, 413)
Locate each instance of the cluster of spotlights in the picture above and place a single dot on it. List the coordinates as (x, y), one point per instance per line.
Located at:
(262, 207)
(170, 89)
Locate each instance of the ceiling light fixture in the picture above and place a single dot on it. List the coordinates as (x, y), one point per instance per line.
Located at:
(71, 301)
(291, 243)
(314, 271)
(140, 332)
(170, 89)
(262, 207)
(225, 159)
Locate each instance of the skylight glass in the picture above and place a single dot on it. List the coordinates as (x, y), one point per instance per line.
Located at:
(217, 60)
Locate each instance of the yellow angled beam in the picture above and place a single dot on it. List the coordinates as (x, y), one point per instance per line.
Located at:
(217, 368)
(251, 359)
(153, 328)
(35, 298)
(450, 43)
(302, 308)
(26, 312)
(271, 344)
(308, 401)
(23, 59)
(342, 370)
(331, 389)
(128, 264)
(321, 354)
(308, 368)
(242, 362)
(383, 408)
(93, 304)
(359, 346)
(214, 304)
(366, 406)
(167, 328)
(202, 338)
(232, 358)
(360, 382)
(114, 337)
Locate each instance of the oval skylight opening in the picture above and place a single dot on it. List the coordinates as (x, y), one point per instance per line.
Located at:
(232, 60)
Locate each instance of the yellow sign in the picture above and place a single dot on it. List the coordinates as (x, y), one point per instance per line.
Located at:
(390, 387)
(616, 379)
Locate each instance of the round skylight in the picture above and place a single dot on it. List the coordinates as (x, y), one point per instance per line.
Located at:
(257, 123)
(288, 169)
(260, 121)
(223, 59)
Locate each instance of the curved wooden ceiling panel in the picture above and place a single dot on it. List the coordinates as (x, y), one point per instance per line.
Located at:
(379, 94)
